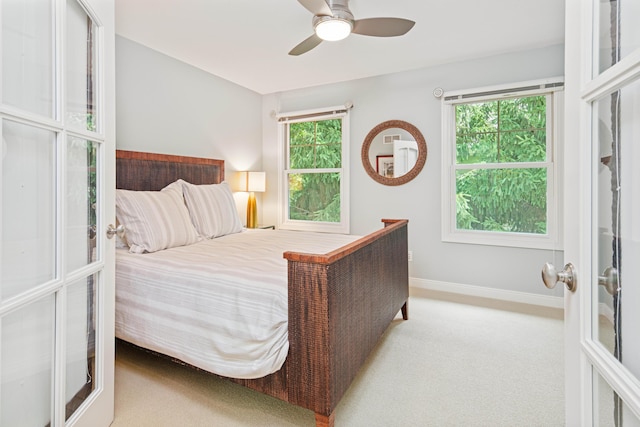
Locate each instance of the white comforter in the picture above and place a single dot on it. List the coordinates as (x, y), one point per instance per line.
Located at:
(219, 304)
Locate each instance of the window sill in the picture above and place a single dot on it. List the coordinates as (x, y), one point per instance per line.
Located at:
(513, 240)
(320, 227)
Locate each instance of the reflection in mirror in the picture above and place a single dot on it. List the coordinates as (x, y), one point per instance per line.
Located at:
(394, 152)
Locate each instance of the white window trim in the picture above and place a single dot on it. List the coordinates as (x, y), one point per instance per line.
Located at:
(553, 239)
(284, 222)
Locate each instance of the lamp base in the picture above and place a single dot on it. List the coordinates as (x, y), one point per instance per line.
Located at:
(252, 211)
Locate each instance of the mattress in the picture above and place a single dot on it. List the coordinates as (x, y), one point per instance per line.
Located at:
(219, 304)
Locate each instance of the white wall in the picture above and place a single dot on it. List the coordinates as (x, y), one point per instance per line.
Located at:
(167, 106)
(408, 96)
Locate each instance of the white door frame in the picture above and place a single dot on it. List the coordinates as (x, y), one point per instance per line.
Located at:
(100, 409)
(582, 353)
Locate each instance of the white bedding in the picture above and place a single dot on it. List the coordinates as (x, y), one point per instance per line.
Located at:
(219, 304)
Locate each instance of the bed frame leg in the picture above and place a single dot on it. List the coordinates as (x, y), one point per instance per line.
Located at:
(324, 420)
(405, 311)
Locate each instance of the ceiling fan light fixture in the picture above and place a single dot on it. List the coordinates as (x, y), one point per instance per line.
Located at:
(333, 29)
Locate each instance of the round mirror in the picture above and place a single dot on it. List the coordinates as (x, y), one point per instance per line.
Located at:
(394, 152)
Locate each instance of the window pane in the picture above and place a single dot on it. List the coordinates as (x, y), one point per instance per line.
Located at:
(505, 200)
(522, 113)
(302, 157)
(81, 68)
(609, 410)
(329, 131)
(81, 342)
(302, 133)
(28, 208)
(81, 202)
(476, 148)
(479, 117)
(510, 130)
(523, 146)
(27, 55)
(616, 197)
(329, 156)
(314, 196)
(26, 363)
(315, 145)
(619, 32)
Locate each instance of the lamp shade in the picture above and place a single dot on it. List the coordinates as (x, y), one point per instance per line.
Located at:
(253, 181)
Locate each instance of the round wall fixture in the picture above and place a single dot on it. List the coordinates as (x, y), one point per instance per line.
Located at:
(438, 92)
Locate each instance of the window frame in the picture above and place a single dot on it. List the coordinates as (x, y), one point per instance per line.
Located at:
(284, 119)
(553, 90)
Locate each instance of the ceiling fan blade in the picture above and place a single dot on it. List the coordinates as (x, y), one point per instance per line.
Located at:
(382, 27)
(317, 7)
(306, 45)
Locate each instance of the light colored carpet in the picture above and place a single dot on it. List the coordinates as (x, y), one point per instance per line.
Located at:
(450, 364)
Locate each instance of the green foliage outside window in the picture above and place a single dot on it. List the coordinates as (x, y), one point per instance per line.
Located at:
(92, 184)
(499, 197)
(315, 195)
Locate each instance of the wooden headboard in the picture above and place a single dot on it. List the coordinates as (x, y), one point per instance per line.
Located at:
(152, 172)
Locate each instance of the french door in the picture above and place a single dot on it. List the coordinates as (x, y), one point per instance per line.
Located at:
(56, 194)
(602, 212)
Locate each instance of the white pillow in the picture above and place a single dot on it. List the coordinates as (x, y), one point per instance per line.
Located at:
(154, 220)
(212, 209)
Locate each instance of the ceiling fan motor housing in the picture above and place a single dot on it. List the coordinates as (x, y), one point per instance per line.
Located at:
(339, 5)
(343, 14)
(336, 17)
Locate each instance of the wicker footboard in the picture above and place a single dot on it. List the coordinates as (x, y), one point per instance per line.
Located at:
(340, 304)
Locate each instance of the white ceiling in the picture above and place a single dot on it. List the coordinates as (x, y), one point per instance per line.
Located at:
(247, 41)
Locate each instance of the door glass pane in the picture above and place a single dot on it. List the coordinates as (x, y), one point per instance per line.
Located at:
(81, 203)
(27, 55)
(26, 365)
(618, 228)
(81, 68)
(609, 410)
(619, 33)
(81, 342)
(28, 208)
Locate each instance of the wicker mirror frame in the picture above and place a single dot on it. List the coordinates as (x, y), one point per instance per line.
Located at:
(422, 152)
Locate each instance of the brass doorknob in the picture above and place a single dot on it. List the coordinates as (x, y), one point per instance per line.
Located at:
(551, 276)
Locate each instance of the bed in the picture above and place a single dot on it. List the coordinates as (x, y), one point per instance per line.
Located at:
(338, 304)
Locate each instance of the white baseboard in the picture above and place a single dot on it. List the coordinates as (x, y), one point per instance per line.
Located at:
(482, 292)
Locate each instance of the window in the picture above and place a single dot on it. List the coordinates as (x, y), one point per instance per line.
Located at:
(499, 185)
(314, 187)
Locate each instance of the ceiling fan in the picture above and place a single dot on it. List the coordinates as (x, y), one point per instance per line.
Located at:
(332, 21)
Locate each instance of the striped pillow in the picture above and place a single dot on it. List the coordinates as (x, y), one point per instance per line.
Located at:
(154, 220)
(212, 209)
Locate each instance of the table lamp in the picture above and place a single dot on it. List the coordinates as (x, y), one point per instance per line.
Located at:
(252, 182)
